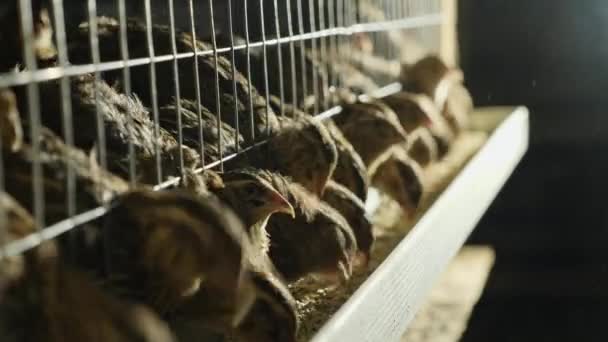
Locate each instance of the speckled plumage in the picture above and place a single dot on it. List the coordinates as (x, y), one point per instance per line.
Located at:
(353, 210)
(318, 241)
(43, 299)
(152, 232)
(372, 128)
(136, 33)
(401, 178)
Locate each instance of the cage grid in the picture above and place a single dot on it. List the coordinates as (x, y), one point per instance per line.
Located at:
(325, 37)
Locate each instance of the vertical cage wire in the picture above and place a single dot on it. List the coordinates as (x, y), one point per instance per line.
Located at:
(302, 53)
(318, 32)
(154, 90)
(176, 76)
(27, 29)
(95, 58)
(249, 83)
(197, 84)
(315, 79)
(323, 59)
(265, 63)
(217, 84)
(233, 72)
(292, 56)
(66, 103)
(126, 77)
(279, 57)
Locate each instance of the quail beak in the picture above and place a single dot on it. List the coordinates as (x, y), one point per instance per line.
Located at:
(361, 260)
(280, 204)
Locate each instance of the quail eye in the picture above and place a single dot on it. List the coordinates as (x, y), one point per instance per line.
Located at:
(251, 190)
(257, 202)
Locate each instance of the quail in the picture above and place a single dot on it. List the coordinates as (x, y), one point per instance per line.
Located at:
(418, 110)
(401, 178)
(303, 150)
(301, 82)
(372, 128)
(350, 170)
(42, 299)
(11, 129)
(272, 316)
(317, 241)
(254, 199)
(94, 185)
(422, 147)
(247, 96)
(431, 76)
(148, 233)
(12, 38)
(200, 134)
(353, 210)
(125, 120)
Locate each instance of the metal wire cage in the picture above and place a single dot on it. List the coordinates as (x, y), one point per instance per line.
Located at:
(295, 50)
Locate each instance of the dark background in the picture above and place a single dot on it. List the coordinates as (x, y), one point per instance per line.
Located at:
(550, 223)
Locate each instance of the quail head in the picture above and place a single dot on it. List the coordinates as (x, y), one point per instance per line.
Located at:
(400, 177)
(317, 241)
(10, 123)
(148, 233)
(254, 199)
(353, 210)
(418, 110)
(43, 299)
(372, 128)
(11, 34)
(424, 76)
(422, 147)
(431, 76)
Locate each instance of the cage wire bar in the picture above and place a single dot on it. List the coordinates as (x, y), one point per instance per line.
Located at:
(331, 25)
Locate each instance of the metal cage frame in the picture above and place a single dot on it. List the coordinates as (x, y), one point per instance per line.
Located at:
(330, 29)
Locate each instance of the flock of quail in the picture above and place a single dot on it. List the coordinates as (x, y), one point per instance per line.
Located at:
(213, 256)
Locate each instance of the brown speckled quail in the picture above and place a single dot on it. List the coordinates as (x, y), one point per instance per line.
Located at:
(353, 210)
(42, 299)
(431, 76)
(318, 241)
(400, 177)
(424, 75)
(10, 122)
(193, 131)
(350, 171)
(254, 200)
(124, 119)
(372, 128)
(422, 147)
(12, 39)
(94, 185)
(418, 110)
(109, 33)
(272, 316)
(149, 233)
(303, 150)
